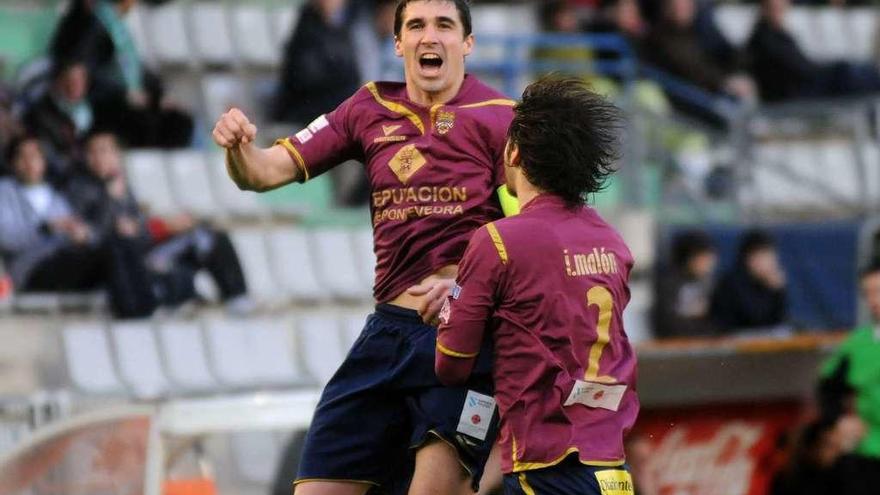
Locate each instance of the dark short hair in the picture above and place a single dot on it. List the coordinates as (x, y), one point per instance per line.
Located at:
(755, 240)
(870, 269)
(688, 244)
(568, 137)
(462, 6)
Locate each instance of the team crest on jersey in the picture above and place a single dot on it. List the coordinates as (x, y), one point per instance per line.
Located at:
(445, 122)
(406, 162)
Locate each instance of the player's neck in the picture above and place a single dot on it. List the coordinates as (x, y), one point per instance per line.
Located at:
(431, 98)
(526, 192)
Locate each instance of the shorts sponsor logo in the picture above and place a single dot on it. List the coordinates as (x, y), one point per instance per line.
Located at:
(478, 409)
(456, 291)
(600, 395)
(614, 482)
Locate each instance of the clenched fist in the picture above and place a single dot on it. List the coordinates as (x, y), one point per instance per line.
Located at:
(234, 128)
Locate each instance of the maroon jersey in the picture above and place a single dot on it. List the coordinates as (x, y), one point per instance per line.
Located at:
(433, 171)
(549, 287)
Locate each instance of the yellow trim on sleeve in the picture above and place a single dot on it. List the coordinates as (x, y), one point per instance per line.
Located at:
(524, 484)
(298, 159)
(331, 480)
(498, 241)
(396, 107)
(449, 352)
(496, 102)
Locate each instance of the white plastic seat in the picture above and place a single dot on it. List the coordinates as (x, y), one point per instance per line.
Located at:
(251, 246)
(89, 362)
(168, 34)
(211, 34)
(861, 25)
(840, 169)
(337, 266)
(191, 183)
(294, 265)
(227, 345)
(284, 20)
(352, 326)
(736, 22)
(186, 362)
(223, 91)
(136, 20)
(272, 352)
(149, 181)
(831, 28)
(802, 25)
(252, 32)
(365, 255)
(321, 344)
(137, 353)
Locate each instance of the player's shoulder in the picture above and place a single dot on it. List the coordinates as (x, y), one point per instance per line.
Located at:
(477, 94)
(374, 92)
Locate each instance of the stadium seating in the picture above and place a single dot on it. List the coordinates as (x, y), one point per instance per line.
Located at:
(89, 360)
(186, 361)
(191, 183)
(294, 265)
(148, 178)
(210, 31)
(137, 355)
(321, 345)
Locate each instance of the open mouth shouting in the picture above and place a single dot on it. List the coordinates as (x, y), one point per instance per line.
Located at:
(430, 64)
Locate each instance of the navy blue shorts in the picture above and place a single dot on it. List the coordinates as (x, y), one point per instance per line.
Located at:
(385, 401)
(570, 477)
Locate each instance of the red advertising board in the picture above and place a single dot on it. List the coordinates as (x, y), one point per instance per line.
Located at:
(717, 450)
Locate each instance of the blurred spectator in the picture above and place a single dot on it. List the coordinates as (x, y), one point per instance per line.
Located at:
(784, 72)
(62, 117)
(372, 33)
(319, 70)
(101, 195)
(675, 46)
(821, 463)
(684, 293)
(849, 382)
(559, 16)
(126, 97)
(47, 247)
(9, 126)
(752, 293)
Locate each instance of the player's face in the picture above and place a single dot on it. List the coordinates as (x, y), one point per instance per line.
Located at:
(871, 293)
(433, 45)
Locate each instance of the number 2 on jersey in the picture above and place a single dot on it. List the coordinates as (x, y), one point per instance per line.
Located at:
(600, 297)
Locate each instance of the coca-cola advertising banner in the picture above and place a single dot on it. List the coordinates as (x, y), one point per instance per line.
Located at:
(717, 450)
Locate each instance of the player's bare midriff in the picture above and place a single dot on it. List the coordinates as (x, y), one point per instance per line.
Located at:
(407, 300)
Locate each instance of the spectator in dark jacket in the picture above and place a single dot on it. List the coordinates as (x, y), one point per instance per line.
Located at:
(101, 195)
(126, 96)
(684, 292)
(46, 246)
(319, 70)
(784, 72)
(675, 46)
(752, 294)
(62, 117)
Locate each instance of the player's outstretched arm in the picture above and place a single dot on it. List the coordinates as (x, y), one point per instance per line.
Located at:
(250, 167)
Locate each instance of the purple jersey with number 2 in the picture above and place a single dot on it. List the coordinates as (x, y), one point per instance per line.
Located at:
(549, 286)
(433, 172)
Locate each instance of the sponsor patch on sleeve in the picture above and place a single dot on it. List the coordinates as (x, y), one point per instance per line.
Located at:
(304, 136)
(445, 312)
(615, 482)
(318, 124)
